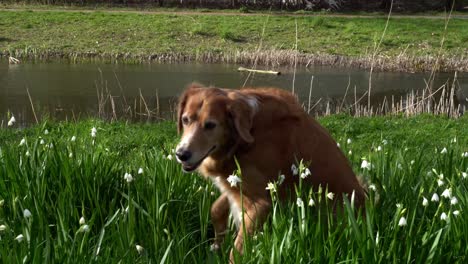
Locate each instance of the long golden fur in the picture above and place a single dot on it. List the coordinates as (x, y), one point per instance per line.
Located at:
(267, 131)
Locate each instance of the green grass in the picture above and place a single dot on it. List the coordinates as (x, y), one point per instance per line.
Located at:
(167, 212)
(142, 34)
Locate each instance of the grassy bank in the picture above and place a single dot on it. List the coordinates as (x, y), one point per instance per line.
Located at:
(409, 44)
(166, 213)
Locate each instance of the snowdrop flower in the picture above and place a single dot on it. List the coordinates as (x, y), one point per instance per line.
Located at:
(399, 205)
(372, 187)
(379, 148)
(305, 174)
(447, 193)
(70, 155)
(294, 170)
(412, 162)
(234, 180)
(93, 132)
(27, 213)
(454, 140)
(444, 151)
(440, 182)
(299, 202)
(42, 142)
(465, 155)
(73, 139)
(169, 157)
(402, 221)
(140, 171)
(435, 198)
(27, 153)
(453, 201)
(330, 195)
(338, 145)
(3, 228)
(82, 221)
(19, 238)
(140, 249)
(85, 228)
(311, 202)
(385, 142)
(366, 165)
(271, 187)
(12, 121)
(46, 132)
(464, 175)
(456, 213)
(128, 177)
(349, 141)
(399, 166)
(281, 179)
(444, 216)
(350, 152)
(425, 202)
(22, 142)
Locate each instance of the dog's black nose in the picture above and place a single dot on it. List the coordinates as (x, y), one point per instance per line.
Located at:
(183, 155)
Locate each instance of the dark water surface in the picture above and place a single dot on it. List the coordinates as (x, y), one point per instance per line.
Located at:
(65, 90)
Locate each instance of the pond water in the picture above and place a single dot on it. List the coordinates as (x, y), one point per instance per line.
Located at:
(66, 91)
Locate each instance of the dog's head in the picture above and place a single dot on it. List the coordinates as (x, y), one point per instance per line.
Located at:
(211, 121)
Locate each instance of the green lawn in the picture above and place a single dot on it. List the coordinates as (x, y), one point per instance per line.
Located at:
(166, 212)
(140, 35)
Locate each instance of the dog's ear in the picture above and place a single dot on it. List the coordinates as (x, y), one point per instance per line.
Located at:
(183, 100)
(241, 115)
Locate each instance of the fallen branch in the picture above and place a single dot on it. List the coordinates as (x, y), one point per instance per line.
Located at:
(13, 60)
(258, 71)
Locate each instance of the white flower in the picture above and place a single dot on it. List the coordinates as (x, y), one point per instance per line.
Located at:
(27, 153)
(11, 121)
(465, 155)
(22, 142)
(464, 175)
(399, 166)
(456, 213)
(402, 221)
(294, 170)
(454, 140)
(85, 228)
(311, 202)
(73, 139)
(440, 182)
(42, 142)
(338, 145)
(447, 193)
(366, 165)
(140, 171)
(82, 221)
(19, 238)
(399, 205)
(140, 249)
(281, 179)
(128, 177)
(27, 213)
(3, 228)
(169, 157)
(435, 197)
(93, 132)
(46, 132)
(348, 141)
(453, 201)
(372, 187)
(234, 180)
(379, 148)
(299, 202)
(350, 152)
(443, 216)
(70, 155)
(441, 176)
(330, 195)
(412, 162)
(425, 202)
(271, 187)
(444, 151)
(385, 142)
(305, 173)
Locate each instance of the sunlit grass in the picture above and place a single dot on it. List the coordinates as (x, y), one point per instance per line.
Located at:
(66, 195)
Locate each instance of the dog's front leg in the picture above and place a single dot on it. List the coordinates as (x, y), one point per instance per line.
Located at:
(219, 217)
(254, 217)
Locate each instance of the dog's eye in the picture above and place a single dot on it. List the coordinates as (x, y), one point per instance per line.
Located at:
(185, 120)
(210, 125)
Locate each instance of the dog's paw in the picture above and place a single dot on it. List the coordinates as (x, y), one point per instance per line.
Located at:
(214, 247)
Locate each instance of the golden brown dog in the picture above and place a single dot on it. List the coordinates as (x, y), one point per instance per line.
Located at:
(267, 131)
